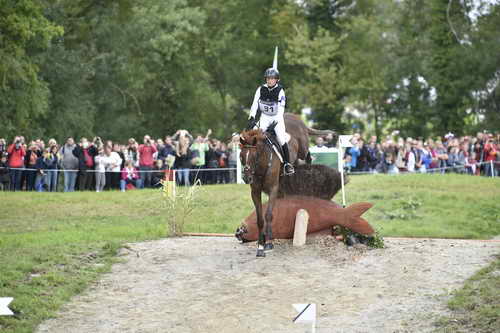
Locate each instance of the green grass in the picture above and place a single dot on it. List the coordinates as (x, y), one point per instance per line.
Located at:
(52, 245)
(476, 306)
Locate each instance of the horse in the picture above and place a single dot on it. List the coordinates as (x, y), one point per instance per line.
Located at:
(262, 168)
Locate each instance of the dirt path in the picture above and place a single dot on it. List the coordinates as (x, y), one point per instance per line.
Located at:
(217, 285)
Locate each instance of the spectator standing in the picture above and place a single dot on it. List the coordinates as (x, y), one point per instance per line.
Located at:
(86, 152)
(372, 153)
(490, 155)
(454, 159)
(166, 150)
(401, 155)
(129, 175)
(30, 161)
(329, 141)
(113, 170)
(409, 157)
(362, 162)
(69, 163)
(117, 148)
(184, 160)
(132, 152)
(212, 161)
(354, 152)
(101, 164)
(43, 164)
(320, 144)
(442, 156)
(146, 161)
(3, 147)
(201, 147)
(223, 163)
(52, 172)
(4, 172)
(16, 153)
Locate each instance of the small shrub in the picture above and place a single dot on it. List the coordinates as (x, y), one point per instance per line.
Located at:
(179, 205)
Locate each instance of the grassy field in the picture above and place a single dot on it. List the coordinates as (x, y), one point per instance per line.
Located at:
(475, 307)
(53, 244)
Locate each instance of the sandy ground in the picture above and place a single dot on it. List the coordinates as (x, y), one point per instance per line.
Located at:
(217, 285)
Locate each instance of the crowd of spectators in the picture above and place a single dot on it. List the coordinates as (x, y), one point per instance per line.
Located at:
(101, 165)
(466, 154)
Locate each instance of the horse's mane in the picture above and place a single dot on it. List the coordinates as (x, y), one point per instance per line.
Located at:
(251, 135)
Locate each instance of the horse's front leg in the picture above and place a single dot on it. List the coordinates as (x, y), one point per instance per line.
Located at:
(257, 201)
(273, 195)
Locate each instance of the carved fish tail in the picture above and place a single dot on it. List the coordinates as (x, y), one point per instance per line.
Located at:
(353, 218)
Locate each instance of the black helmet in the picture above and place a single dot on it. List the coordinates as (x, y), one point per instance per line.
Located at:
(271, 72)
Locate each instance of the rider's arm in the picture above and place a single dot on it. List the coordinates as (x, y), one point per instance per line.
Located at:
(255, 104)
(281, 103)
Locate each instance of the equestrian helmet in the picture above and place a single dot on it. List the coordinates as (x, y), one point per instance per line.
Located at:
(272, 73)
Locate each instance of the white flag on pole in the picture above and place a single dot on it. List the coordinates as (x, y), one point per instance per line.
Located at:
(4, 308)
(345, 140)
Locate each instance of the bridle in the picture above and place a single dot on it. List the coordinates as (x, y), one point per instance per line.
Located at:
(252, 168)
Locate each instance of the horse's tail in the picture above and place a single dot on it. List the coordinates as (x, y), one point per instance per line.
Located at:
(315, 132)
(353, 218)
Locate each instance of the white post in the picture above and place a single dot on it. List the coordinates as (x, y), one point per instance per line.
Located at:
(492, 170)
(341, 164)
(239, 179)
(300, 231)
(174, 184)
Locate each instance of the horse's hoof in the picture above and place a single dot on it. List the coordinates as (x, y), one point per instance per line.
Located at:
(261, 253)
(351, 240)
(268, 247)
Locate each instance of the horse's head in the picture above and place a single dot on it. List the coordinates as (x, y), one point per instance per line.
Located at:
(252, 147)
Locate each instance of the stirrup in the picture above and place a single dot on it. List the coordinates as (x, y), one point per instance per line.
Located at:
(290, 168)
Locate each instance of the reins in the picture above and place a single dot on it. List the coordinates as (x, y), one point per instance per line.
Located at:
(247, 167)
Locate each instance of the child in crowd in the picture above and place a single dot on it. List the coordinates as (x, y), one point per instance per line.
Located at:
(158, 174)
(100, 170)
(129, 176)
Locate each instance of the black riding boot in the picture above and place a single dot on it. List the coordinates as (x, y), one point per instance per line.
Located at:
(289, 170)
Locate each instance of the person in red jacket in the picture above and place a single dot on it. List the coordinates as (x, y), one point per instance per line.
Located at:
(129, 176)
(146, 160)
(16, 153)
(490, 154)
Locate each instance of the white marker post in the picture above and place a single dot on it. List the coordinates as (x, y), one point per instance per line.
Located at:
(344, 141)
(4, 306)
(307, 314)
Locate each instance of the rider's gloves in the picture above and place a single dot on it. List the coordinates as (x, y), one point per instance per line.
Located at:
(251, 123)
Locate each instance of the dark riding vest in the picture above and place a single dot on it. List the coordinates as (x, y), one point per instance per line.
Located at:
(269, 99)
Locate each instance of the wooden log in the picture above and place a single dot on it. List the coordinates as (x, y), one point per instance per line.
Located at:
(300, 231)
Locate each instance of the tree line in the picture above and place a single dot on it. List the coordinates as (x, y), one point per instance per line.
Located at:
(124, 68)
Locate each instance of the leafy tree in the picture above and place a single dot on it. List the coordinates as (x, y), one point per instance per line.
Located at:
(25, 33)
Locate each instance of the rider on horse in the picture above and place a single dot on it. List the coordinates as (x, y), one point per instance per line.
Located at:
(269, 106)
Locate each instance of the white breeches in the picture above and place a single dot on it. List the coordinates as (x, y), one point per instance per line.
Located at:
(265, 121)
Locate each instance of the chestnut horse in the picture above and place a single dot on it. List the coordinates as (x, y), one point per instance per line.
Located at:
(262, 169)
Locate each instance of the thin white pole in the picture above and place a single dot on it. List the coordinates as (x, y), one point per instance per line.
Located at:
(239, 180)
(492, 170)
(174, 185)
(341, 164)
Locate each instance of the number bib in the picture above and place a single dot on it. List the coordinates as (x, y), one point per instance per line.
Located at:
(268, 108)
